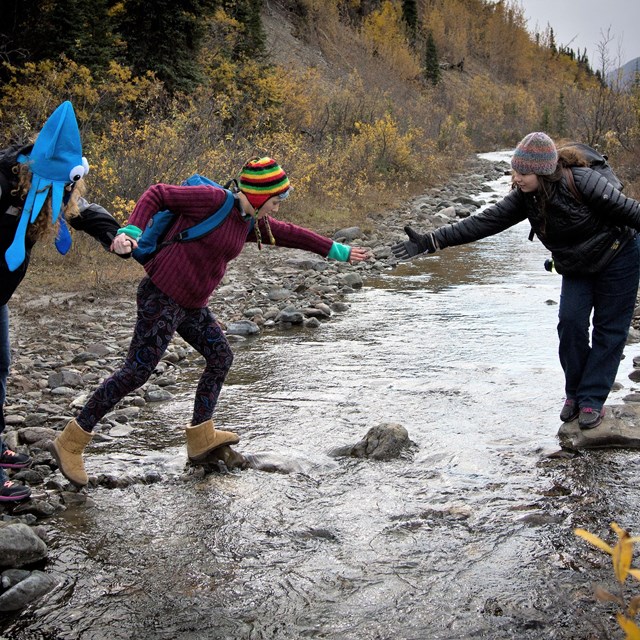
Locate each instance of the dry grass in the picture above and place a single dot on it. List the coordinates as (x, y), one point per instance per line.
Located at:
(86, 268)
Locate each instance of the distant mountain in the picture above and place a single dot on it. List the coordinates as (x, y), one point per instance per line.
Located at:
(626, 74)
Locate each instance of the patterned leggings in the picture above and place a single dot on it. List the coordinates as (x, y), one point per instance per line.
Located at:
(159, 317)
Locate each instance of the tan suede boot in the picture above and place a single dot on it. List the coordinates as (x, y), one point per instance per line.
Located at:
(204, 438)
(67, 449)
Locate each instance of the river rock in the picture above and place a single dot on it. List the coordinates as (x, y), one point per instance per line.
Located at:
(31, 435)
(243, 328)
(290, 315)
(222, 459)
(19, 545)
(65, 378)
(11, 577)
(34, 586)
(275, 295)
(617, 429)
(351, 279)
(156, 394)
(347, 235)
(383, 442)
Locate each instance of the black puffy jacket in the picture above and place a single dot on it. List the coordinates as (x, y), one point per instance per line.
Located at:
(582, 236)
(93, 219)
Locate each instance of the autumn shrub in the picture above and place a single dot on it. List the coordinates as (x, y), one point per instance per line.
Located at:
(621, 556)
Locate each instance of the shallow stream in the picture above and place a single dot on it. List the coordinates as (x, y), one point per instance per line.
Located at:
(469, 535)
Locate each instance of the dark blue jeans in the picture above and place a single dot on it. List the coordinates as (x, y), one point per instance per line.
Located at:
(590, 366)
(5, 361)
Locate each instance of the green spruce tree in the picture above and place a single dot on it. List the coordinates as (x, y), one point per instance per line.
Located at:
(165, 36)
(431, 65)
(561, 116)
(252, 41)
(410, 16)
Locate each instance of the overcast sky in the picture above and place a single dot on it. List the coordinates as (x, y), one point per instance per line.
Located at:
(580, 23)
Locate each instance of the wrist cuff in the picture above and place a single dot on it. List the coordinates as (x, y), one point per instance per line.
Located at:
(130, 230)
(339, 252)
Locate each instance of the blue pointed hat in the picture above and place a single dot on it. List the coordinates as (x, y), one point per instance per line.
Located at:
(55, 161)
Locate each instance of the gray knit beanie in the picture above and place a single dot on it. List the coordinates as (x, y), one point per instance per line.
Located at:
(536, 153)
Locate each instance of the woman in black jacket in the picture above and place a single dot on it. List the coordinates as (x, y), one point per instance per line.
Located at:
(39, 183)
(594, 245)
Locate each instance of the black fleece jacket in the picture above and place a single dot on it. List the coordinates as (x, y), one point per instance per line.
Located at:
(93, 219)
(582, 236)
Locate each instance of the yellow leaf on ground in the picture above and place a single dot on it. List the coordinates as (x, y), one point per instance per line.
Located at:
(629, 627)
(594, 540)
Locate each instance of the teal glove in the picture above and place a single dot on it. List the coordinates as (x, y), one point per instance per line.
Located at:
(339, 252)
(131, 230)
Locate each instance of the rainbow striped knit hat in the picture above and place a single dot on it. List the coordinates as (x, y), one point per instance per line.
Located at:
(535, 153)
(261, 179)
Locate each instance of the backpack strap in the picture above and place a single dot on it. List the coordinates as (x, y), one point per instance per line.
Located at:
(207, 225)
(571, 183)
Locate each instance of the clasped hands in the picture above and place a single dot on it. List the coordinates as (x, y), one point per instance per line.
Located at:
(123, 244)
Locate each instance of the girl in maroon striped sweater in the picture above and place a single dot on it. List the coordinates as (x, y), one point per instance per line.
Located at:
(174, 295)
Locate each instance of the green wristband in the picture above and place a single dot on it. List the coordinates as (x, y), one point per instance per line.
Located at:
(340, 252)
(130, 230)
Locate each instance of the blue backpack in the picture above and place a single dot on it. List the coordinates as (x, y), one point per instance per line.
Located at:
(153, 238)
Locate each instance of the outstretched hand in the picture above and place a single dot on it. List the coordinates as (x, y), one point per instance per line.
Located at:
(358, 254)
(416, 244)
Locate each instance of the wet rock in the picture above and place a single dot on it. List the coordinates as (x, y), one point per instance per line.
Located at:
(314, 312)
(157, 395)
(617, 429)
(38, 508)
(99, 350)
(152, 476)
(76, 498)
(31, 435)
(222, 459)
(13, 420)
(351, 279)
(309, 264)
(19, 545)
(243, 328)
(11, 577)
(34, 586)
(272, 463)
(317, 533)
(291, 316)
(383, 442)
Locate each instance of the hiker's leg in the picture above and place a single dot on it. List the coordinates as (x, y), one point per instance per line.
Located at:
(615, 291)
(576, 302)
(5, 361)
(158, 317)
(203, 333)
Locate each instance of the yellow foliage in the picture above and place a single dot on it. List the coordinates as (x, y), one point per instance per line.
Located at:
(621, 554)
(630, 628)
(383, 30)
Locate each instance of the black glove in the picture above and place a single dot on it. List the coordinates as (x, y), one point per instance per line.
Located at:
(416, 244)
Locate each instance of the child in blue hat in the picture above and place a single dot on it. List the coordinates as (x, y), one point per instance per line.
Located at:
(41, 188)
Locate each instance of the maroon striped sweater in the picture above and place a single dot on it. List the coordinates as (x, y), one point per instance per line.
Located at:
(189, 272)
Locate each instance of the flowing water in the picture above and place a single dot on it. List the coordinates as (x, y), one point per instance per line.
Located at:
(468, 535)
